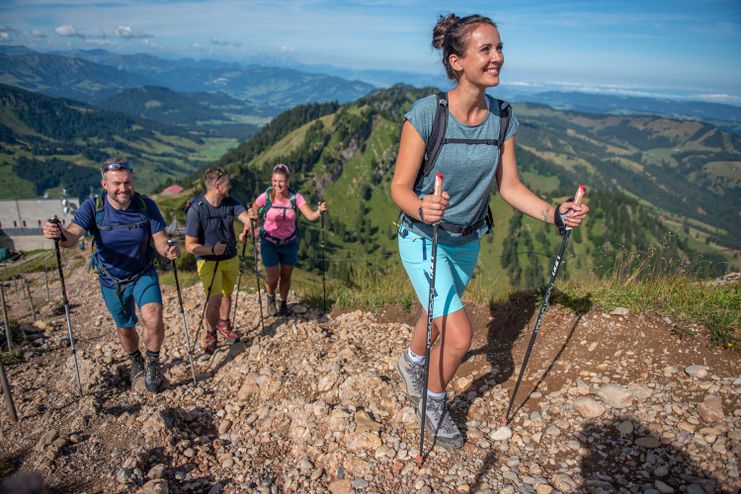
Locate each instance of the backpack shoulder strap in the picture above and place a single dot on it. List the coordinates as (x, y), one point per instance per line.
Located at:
(505, 116)
(435, 141)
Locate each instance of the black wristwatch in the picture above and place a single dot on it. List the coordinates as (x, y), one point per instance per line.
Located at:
(421, 215)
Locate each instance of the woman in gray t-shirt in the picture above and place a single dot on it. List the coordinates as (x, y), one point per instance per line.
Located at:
(472, 57)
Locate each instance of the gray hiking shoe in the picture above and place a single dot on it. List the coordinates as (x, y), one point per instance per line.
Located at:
(412, 375)
(272, 309)
(439, 425)
(137, 367)
(153, 375)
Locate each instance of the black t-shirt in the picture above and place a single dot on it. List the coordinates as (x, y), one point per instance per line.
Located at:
(218, 227)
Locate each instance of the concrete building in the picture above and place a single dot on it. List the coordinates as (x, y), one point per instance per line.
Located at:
(22, 221)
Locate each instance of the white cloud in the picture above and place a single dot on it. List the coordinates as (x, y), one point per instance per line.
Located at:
(67, 31)
(127, 32)
(36, 34)
(4, 36)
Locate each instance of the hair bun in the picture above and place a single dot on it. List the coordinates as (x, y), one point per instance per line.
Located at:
(441, 29)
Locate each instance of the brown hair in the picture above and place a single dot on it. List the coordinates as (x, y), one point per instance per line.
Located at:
(451, 34)
(213, 175)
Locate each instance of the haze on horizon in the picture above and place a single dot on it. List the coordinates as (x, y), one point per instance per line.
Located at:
(681, 48)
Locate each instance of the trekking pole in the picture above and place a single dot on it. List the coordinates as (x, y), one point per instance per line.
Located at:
(46, 284)
(438, 190)
(324, 284)
(24, 282)
(239, 280)
(65, 302)
(544, 306)
(257, 274)
(5, 318)
(182, 315)
(205, 305)
(6, 392)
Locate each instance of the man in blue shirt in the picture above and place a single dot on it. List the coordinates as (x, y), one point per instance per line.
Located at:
(128, 232)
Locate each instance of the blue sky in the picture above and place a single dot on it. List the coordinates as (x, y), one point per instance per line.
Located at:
(681, 47)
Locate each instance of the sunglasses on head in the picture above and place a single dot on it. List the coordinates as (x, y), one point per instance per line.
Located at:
(280, 167)
(117, 166)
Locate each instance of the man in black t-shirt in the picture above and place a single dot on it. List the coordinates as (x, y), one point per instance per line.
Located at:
(209, 235)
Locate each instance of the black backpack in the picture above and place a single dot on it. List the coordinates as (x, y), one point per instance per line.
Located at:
(437, 140)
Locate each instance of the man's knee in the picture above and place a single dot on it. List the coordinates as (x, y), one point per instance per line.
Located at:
(152, 314)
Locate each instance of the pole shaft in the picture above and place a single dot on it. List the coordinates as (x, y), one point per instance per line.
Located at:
(257, 275)
(185, 323)
(5, 318)
(65, 302)
(324, 284)
(46, 284)
(6, 391)
(428, 338)
(29, 296)
(239, 281)
(205, 304)
(543, 308)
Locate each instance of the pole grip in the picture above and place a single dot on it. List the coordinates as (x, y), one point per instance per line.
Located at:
(438, 191)
(580, 193)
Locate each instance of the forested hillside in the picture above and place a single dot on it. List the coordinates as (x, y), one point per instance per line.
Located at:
(346, 154)
(47, 143)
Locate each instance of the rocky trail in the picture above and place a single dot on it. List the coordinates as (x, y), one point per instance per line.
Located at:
(616, 402)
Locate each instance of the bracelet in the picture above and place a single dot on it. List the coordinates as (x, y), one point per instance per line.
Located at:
(421, 215)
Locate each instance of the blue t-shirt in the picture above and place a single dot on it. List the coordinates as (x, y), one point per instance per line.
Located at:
(468, 169)
(219, 225)
(122, 252)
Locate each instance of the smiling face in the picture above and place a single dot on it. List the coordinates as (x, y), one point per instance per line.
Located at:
(119, 184)
(279, 181)
(483, 59)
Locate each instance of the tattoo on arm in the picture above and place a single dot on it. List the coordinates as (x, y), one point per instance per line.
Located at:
(545, 214)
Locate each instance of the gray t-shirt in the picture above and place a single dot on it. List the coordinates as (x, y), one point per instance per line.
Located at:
(468, 169)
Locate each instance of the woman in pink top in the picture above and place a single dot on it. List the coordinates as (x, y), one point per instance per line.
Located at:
(279, 239)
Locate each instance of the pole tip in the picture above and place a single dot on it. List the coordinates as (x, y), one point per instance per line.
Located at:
(419, 459)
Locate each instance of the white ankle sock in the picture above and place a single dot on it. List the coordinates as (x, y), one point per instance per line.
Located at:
(436, 396)
(417, 359)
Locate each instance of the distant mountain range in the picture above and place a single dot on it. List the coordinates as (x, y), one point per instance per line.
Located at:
(96, 75)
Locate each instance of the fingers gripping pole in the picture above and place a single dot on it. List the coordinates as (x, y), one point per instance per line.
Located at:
(428, 338)
(65, 302)
(182, 315)
(543, 307)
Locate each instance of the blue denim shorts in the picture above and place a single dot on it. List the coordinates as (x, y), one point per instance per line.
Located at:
(145, 290)
(274, 254)
(453, 270)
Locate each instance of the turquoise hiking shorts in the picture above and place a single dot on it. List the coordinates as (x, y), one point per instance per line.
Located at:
(145, 290)
(453, 270)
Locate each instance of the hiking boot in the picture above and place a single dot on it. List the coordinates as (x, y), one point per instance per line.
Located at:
(439, 425)
(137, 367)
(153, 375)
(225, 328)
(272, 310)
(412, 375)
(283, 309)
(210, 343)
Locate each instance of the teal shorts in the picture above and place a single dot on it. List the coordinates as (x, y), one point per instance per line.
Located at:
(145, 290)
(453, 270)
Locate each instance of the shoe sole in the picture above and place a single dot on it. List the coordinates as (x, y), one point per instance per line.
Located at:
(442, 441)
(412, 398)
(150, 387)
